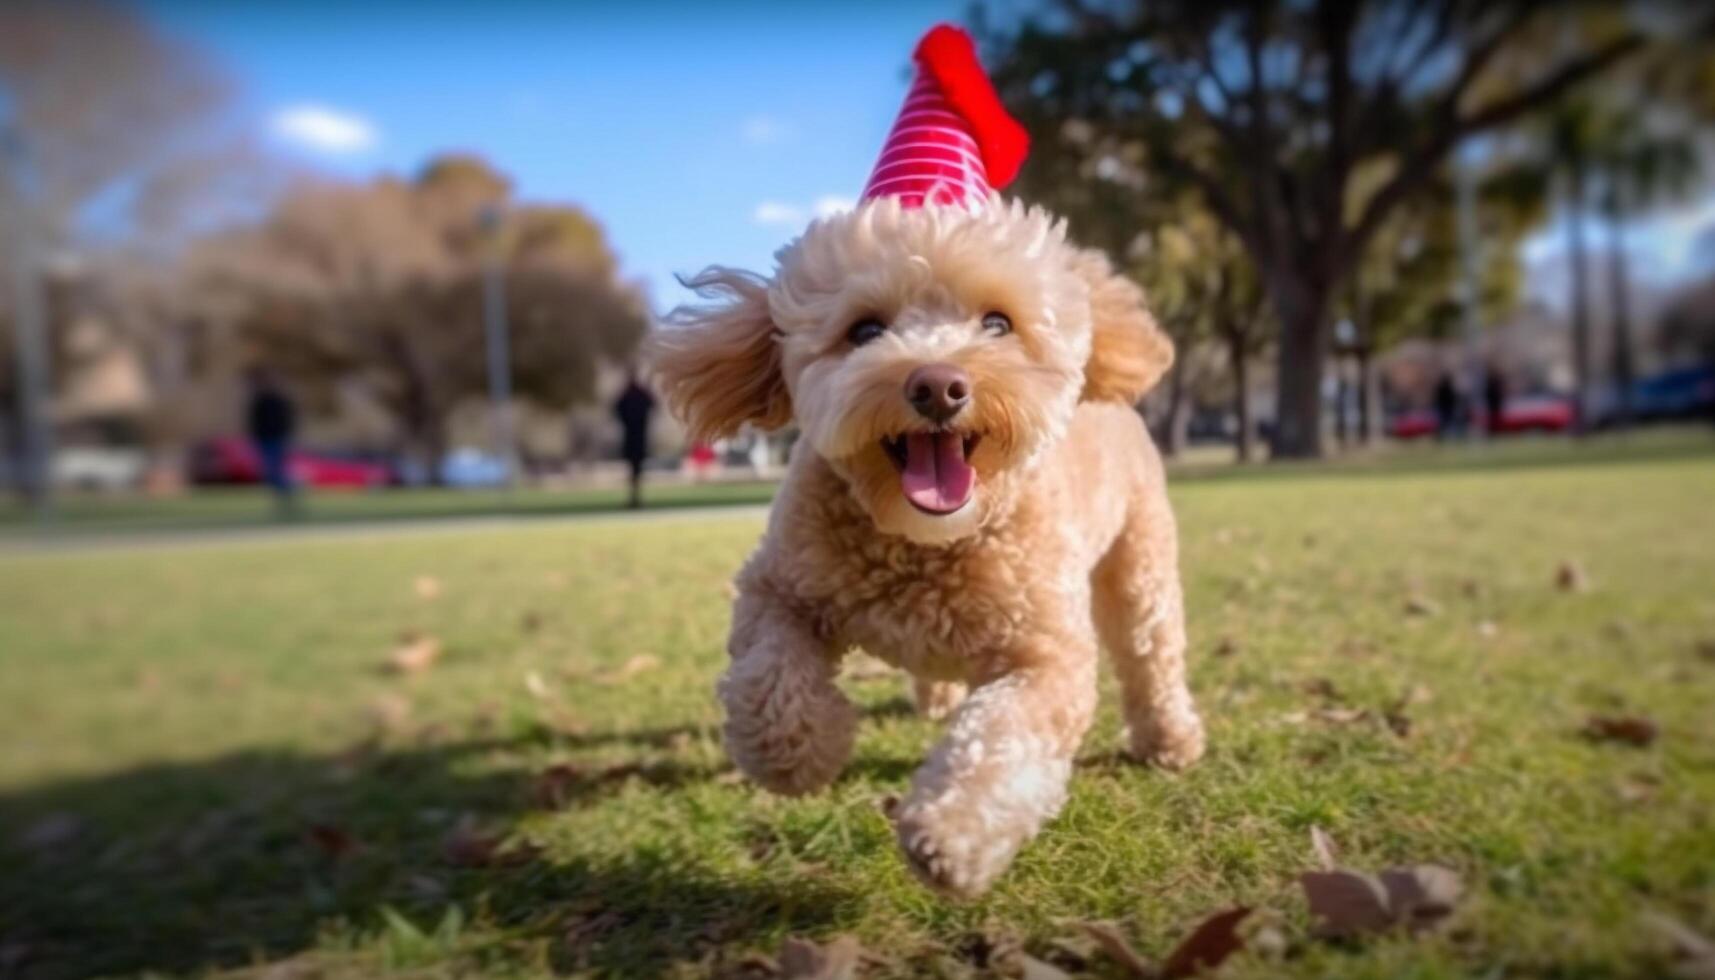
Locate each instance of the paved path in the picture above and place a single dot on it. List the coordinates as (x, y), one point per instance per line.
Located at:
(85, 540)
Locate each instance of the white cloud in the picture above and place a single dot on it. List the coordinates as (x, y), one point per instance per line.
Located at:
(831, 204)
(762, 130)
(777, 213)
(324, 129)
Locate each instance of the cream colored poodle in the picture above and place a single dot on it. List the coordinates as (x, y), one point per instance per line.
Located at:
(973, 500)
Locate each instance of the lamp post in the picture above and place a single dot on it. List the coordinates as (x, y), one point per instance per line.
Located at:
(498, 341)
(16, 188)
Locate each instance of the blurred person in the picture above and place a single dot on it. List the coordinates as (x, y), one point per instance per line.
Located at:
(272, 420)
(1446, 406)
(1494, 397)
(633, 408)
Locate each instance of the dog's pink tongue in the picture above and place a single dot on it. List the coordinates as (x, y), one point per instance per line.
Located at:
(937, 477)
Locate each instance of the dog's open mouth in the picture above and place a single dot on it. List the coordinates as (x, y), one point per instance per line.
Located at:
(934, 468)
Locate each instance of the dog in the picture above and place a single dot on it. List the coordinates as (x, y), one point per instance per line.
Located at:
(973, 499)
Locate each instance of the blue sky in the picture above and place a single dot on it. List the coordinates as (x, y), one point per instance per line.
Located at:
(696, 132)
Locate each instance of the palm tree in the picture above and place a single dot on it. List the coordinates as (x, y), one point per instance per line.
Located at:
(1639, 169)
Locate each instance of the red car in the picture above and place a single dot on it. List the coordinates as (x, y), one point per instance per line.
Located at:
(231, 460)
(1534, 414)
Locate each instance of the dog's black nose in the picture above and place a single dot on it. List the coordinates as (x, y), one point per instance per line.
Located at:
(938, 391)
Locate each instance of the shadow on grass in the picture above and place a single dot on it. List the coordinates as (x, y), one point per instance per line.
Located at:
(261, 855)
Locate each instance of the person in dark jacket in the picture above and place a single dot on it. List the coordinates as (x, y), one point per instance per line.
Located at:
(1494, 397)
(273, 421)
(633, 408)
(1447, 406)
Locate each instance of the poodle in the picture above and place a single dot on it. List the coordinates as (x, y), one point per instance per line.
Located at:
(973, 499)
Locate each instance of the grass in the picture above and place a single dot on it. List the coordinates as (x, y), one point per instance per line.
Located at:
(206, 770)
(251, 507)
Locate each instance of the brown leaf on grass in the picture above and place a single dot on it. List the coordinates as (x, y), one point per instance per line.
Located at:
(1704, 650)
(1327, 854)
(1215, 938)
(414, 653)
(1347, 904)
(1113, 943)
(1625, 729)
(1418, 605)
(802, 959)
(467, 845)
(1226, 646)
(1487, 629)
(1323, 688)
(427, 587)
(638, 664)
(1569, 576)
(390, 712)
(531, 621)
(1637, 789)
(1694, 953)
(1031, 968)
(537, 687)
(1422, 895)
(332, 840)
(555, 785)
(1341, 716)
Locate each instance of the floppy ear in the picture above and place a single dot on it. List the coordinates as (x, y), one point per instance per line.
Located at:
(719, 365)
(1128, 352)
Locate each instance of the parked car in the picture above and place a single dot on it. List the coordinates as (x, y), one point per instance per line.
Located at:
(472, 468)
(1676, 394)
(231, 460)
(99, 467)
(1531, 413)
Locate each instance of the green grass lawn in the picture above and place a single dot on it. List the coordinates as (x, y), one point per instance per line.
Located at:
(206, 767)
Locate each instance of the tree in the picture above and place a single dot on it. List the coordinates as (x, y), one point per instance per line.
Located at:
(1267, 111)
(1408, 282)
(117, 149)
(380, 285)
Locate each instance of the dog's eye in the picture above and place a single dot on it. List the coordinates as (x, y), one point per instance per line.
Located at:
(864, 331)
(997, 323)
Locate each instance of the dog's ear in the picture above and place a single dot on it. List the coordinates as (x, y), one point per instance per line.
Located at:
(719, 365)
(1128, 352)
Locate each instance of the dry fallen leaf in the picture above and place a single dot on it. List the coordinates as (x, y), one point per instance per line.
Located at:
(414, 654)
(1226, 646)
(1695, 952)
(531, 622)
(1341, 716)
(537, 687)
(1347, 904)
(1112, 942)
(801, 959)
(631, 668)
(1488, 630)
(1705, 650)
(1327, 854)
(468, 846)
(1570, 577)
(554, 786)
(334, 841)
(427, 587)
(1324, 688)
(1215, 938)
(1031, 968)
(390, 712)
(1418, 605)
(1626, 729)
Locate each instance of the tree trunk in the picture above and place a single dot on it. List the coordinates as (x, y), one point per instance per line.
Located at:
(1242, 398)
(1580, 297)
(1173, 426)
(1303, 311)
(1366, 395)
(1618, 290)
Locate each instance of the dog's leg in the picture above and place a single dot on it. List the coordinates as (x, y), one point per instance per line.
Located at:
(1140, 613)
(788, 726)
(937, 699)
(998, 774)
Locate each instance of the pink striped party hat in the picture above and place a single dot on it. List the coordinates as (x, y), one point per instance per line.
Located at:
(953, 143)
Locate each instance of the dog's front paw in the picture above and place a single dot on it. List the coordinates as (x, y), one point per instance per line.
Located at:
(951, 856)
(1174, 746)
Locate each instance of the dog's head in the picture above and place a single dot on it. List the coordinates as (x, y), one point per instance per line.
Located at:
(929, 355)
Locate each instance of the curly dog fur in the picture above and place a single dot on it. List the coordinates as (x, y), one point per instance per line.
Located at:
(1067, 541)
